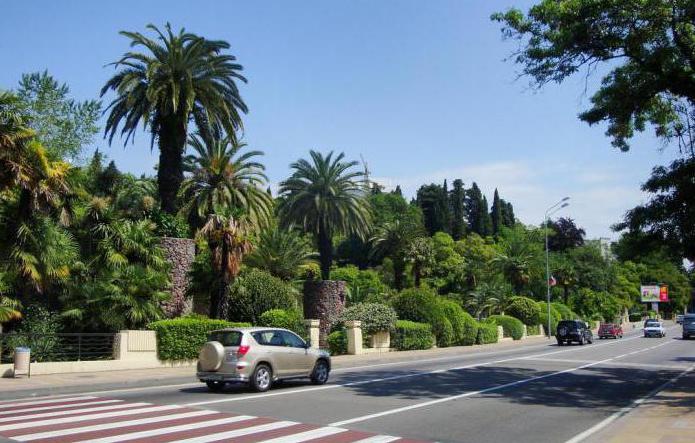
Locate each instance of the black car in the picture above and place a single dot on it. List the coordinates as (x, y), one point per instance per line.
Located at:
(569, 331)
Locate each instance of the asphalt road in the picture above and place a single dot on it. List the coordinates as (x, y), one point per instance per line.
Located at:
(531, 393)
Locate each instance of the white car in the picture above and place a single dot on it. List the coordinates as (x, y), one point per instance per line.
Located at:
(654, 328)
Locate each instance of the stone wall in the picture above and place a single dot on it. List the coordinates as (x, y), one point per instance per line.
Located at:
(324, 300)
(180, 253)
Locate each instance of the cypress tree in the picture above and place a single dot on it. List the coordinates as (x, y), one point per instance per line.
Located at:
(509, 218)
(457, 199)
(496, 213)
(398, 191)
(435, 208)
(486, 221)
(444, 209)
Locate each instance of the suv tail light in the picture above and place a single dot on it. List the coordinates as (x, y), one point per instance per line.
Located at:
(242, 350)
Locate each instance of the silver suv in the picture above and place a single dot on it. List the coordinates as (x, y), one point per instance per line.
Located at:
(259, 356)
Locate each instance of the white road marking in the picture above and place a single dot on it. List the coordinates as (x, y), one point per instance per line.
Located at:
(115, 425)
(308, 435)
(239, 432)
(120, 405)
(473, 393)
(169, 430)
(378, 439)
(86, 417)
(53, 408)
(623, 411)
(20, 403)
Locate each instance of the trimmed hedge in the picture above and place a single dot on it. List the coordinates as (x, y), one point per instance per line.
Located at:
(408, 335)
(182, 338)
(564, 311)
(512, 326)
(375, 317)
(337, 342)
(524, 309)
(280, 318)
(465, 328)
(487, 333)
(255, 292)
(533, 330)
(423, 305)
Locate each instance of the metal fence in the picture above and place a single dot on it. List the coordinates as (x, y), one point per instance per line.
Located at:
(58, 347)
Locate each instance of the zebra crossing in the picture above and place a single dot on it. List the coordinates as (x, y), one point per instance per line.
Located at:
(105, 420)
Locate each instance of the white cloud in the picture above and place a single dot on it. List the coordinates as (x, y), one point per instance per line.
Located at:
(599, 197)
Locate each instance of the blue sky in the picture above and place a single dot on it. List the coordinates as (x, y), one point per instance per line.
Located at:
(419, 89)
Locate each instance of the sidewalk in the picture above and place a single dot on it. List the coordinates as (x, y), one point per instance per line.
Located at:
(41, 385)
(668, 417)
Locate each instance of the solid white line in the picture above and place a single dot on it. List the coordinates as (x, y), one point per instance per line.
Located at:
(20, 403)
(239, 432)
(308, 435)
(115, 425)
(53, 408)
(57, 421)
(72, 411)
(623, 411)
(169, 430)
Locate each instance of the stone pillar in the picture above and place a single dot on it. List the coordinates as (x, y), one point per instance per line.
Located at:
(324, 300)
(312, 329)
(180, 253)
(381, 340)
(354, 337)
(500, 333)
(120, 346)
(525, 334)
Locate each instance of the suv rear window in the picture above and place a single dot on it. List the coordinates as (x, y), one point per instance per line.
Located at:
(227, 338)
(651, 323)
(569, 324)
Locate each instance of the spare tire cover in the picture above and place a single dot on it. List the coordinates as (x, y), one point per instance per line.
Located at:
(211, 356)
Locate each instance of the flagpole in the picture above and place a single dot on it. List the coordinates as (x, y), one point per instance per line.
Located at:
(546, 220)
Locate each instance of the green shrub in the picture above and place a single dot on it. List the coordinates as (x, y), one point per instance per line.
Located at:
(652, 314)
(487, 333)
(375, 317)
(465, 328)
(255, 292)
(280, 318)
(533, 330)
(543, 316)
(337, 342)
(37, 331)
(422, 305)
(636, 316)
(182, 338)
(512, 326)
(564, 311)
(524, 309)
(408, 335)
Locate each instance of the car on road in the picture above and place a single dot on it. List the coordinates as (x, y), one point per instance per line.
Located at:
(606, 330)
(688, 326)
(679, 319)
(654, 328)
(259, 356)
(569, 331)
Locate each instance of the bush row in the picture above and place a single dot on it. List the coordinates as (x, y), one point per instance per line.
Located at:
(182, 338)
(409, 335)
(487, 333)
(512, 326)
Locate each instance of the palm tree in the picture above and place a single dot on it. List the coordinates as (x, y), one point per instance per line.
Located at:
(221, 176)
(281, 252)
(228, 240)
(178, 78)
(420, 252)
(515, 261)
(482, 299)
(326, 198)
(392, 240)
(14, 135)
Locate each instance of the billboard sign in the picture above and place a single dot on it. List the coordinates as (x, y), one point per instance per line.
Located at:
(654, 293)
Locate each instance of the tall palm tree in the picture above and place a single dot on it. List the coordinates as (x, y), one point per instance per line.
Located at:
(281, 252)
(179, 77)
(420, 252)
(515, 262)
(392, 240)
(326, 197)
(222, 176)
(229, 241)
(14, 135)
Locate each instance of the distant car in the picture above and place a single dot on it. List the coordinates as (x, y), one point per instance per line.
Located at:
(569, 331)
(654, 328)
(688, 326)
(259, 357)
(679, 319)
(611, 330)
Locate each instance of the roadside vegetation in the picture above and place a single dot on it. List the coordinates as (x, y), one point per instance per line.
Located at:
(81, 239)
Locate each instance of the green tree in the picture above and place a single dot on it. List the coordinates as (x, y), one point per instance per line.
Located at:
(564, 235)
(477, 212)
(420, 253)
(326, 197)
(281, 252)
(392, 240)
(62, 124)
(457, 200)
(496, 214)
(434, 203)
(222, 176)
(179, 78)
(647, 48)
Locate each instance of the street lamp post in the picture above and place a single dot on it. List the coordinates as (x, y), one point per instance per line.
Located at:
(548, 212)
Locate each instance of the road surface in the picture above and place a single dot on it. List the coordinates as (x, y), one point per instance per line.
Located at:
(536, 392)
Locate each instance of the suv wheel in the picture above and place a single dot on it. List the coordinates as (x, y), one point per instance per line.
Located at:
(319, 375)
(560, 342)
(215, 386)
(262, 378)
(582, 341)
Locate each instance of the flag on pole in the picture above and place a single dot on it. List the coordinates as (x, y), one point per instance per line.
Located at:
(552, 281)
